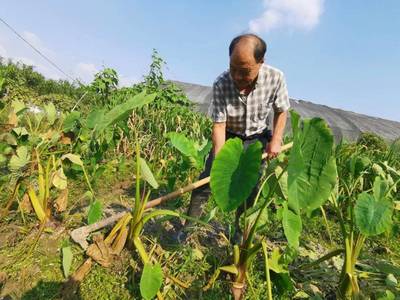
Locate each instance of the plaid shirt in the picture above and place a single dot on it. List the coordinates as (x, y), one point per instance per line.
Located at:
(248, 115)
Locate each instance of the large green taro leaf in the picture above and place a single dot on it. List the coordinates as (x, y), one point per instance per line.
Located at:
(312, 170)
(235, 173)
(373, 216)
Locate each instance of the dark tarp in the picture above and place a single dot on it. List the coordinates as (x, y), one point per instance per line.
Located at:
(344, 124)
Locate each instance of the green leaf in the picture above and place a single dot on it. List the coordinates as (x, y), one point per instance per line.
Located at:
(391, 280)
(67, 257)
(312, 167)
(51, 113)
(380, 188)
(95, 118)
(20, 159)
(276, 263)
(292, 226)
(253, 211)
(9, 139)
(88, 195)
(123, 110)
(151, 280)
(361, 164)
(18, 106)
(59, 179)
(95, 212)
(232, 269)
(388, 295)
(20, 131)
(387, 268)
(235, 173)
(282, 181)
(211, 215)
(147, 174)
(274, 171)
(373, 217)
(74, 158)
(3, 160)
(71, 121)
(201, 154)
(301, 295)
(183, 144)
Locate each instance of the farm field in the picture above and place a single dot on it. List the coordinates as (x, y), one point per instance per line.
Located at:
(325, 225)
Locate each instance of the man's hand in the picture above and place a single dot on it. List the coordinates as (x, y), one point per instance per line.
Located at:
(274, 148)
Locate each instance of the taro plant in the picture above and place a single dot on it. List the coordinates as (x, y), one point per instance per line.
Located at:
(130, 227)
(95, 136)
(31, 134)
(303, 184)
(364, 205)
(101, 130)
(363, 200)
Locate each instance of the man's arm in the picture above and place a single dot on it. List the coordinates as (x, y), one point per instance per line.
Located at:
(274, 147)
(218, 136)
(281, 106)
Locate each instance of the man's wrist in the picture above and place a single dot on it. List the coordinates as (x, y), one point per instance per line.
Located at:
(276, 139)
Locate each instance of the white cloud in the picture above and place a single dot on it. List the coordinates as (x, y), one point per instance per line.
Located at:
(13, 48)
(34, 40)
(300, 14)
(85, 71)
(127, 81)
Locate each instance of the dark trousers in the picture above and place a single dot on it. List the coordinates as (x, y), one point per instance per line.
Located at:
(200, 195)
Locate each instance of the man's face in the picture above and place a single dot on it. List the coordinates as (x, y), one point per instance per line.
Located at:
(243, 67)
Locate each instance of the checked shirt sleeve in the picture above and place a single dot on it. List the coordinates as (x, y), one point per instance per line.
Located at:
(218, 105)
(281, 102)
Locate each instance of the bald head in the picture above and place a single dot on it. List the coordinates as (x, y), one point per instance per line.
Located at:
(250, 43)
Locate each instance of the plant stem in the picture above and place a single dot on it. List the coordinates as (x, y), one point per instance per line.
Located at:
(326, 224)
(267, 275)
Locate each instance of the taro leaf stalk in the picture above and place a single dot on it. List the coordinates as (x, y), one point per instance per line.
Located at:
(95, 207)
(130, 227)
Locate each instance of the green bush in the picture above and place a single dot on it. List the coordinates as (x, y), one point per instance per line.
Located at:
(372, 142)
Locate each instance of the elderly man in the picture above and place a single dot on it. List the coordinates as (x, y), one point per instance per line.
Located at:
(243, 99)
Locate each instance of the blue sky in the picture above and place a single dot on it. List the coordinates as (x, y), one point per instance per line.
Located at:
(344, 54)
